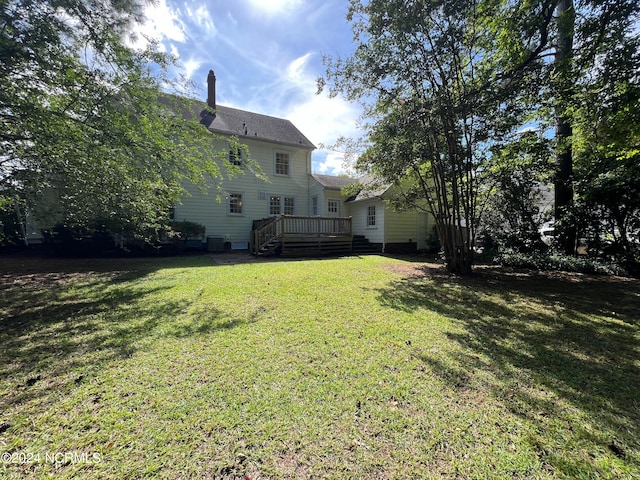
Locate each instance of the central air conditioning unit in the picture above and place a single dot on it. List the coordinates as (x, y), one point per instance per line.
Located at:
(215, 244)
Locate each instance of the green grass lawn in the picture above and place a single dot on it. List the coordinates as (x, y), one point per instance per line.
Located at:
(361, 367)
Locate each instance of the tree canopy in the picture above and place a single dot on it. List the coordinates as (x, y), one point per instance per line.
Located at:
(446, 86)
(88, 132)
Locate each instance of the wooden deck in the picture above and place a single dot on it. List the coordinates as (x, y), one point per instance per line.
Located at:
(290, 235)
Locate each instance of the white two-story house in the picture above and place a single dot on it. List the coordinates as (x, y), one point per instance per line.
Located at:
(284, 156)
(303, 203)
(290, 189)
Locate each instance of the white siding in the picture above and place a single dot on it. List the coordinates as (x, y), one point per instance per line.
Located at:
(359, 211)
(316, 190)
(205, 209)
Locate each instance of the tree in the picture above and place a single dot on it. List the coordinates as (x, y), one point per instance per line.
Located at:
(562, 85)
(87, 134)
(607, 152)
(427, 75)
(579, 38)
(517, 205)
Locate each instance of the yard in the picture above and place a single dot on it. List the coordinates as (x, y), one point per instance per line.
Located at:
(360, 367)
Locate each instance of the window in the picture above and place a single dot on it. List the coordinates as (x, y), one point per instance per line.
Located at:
(332, 206)
(371, 216)
(274, 205)
(289, 206)
(282, 163)
(235, 204)
(314, 206)
(282, 205)
(235, 156)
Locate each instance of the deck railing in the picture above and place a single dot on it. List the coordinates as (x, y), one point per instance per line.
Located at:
(273, 230)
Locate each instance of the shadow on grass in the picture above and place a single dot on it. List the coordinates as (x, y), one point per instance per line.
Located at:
(60, 321)
(559, 347)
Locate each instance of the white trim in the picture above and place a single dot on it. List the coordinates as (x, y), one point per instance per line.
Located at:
(281, 204)
(242, 205)
(275, 163)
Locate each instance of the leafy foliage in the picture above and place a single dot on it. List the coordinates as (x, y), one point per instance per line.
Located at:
(516, 211)
(426, 74)
(83, 123)
(567, 263)
(188, 230)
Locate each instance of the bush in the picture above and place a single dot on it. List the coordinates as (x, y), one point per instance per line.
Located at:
(188, 230)
(80, 242)
(10, 234)
(540, 261)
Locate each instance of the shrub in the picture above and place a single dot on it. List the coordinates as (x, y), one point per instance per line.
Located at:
(540, 261)
(188, 230)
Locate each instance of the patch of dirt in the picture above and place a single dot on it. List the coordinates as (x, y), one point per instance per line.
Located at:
(34, 272)
(416, 270)
(233, 258)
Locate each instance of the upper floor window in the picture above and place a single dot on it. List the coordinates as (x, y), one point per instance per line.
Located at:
(235, 204)
(314, 206)
(235, 156)
(332, 206)
(371, 216)
(282, 164)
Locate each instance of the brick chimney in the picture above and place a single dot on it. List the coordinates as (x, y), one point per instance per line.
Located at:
(211, 90)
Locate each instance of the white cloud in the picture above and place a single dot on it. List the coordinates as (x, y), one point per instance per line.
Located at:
(333, 163)
(275, 7)
(190, 66)
(295, 70)
(323, 120)
(163, 22)
(203, 19)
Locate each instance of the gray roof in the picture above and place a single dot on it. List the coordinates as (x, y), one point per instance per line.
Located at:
(243, 124)
(372, 188)
(333, 182)
(232, 121)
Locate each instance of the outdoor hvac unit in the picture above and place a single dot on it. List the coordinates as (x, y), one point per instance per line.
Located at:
(215, 244)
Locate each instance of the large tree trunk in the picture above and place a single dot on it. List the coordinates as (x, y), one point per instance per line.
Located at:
(456, 247)
(565, 231)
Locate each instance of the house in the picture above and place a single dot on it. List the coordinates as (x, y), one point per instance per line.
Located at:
(282, 152)
(372, 215)
(292, 190)
(290, 204)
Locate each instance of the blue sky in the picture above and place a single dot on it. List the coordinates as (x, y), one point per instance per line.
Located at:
(266, 55)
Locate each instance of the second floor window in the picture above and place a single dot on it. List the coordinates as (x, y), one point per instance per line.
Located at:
(282, 163)
(332, 207)
(235, 156)
(314, 206)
